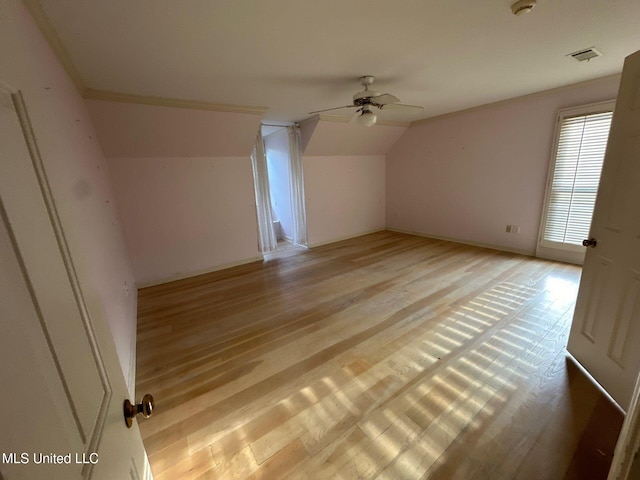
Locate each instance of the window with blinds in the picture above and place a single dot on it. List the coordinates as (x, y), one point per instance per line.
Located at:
(581, 142)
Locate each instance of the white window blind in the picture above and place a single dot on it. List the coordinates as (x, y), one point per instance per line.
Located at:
(571, 196)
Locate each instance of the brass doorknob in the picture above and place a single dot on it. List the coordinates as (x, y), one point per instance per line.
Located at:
(145, 407)
(592, 242)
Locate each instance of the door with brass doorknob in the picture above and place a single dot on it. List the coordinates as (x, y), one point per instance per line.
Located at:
(144, 408)
(57, 356)
(605, 333)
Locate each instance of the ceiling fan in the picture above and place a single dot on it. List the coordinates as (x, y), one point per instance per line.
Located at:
(365, 100)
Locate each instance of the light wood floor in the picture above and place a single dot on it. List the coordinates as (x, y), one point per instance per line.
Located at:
(386, 356)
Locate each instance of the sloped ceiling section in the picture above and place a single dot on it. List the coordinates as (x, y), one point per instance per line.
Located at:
(134, 130)
(307, 127)
(337, 137)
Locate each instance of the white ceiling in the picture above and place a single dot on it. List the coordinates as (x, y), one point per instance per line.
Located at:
(295, 56)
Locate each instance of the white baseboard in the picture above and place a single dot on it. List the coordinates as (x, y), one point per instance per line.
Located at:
(346, 237)
(501, 248)
(182, 276)
(559, 255)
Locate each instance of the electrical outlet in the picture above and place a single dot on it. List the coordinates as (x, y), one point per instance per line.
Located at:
(508, 229)
(515, 228)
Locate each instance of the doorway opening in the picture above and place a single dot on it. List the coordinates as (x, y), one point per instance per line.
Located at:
(286, 189)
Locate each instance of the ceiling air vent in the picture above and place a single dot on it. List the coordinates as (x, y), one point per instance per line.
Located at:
(585, 54)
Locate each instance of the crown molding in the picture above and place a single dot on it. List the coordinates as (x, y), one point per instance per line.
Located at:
(39, 15)
(507, 101)
(93, 94)
(35, 9)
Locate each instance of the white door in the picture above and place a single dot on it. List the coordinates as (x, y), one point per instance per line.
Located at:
(61, 386)
(605, 334)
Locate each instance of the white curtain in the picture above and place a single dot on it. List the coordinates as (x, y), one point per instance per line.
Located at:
(299, 212)
(267, 235)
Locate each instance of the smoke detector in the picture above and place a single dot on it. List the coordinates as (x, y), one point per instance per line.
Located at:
(523, 6)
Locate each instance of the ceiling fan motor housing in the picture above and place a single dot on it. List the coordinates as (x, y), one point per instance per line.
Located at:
(365, 81)
(364, 98)
(523, 6)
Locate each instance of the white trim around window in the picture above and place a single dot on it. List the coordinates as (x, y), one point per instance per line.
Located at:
(572, 183)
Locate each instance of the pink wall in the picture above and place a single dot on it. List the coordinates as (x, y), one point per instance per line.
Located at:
(468, 175)
(344, 196)
(134, 130)
(342, 138)
(185, 216)
(184, 185)
(344, 176)
(78, 175)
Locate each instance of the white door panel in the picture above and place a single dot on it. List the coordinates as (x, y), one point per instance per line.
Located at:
(32, 386)
(62, 386)
(605, 334)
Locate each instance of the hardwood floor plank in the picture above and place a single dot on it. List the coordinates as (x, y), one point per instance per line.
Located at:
(235, 466)
(384, 356)
(188, 466)
(280, 464)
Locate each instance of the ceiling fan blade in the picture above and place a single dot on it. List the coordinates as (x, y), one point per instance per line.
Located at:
(334, 108)
(385, 99)
(401, 107)
(354, 117)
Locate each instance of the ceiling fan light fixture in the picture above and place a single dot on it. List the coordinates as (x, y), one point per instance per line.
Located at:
(366, 100)
(523, 6)
(367, 118)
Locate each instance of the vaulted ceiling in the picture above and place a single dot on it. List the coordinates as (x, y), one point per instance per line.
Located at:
(295, 56)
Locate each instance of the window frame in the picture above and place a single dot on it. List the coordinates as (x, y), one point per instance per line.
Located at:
(564, 252)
